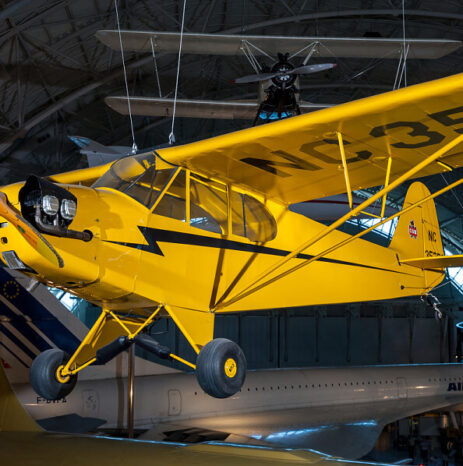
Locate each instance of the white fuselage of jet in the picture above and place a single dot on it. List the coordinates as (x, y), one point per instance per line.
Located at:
(336, 410)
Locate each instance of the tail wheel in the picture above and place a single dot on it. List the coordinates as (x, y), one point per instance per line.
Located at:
(221, 368)
(43, 375)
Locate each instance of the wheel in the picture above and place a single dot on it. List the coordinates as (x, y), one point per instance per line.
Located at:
(221, 368)
(43, 375)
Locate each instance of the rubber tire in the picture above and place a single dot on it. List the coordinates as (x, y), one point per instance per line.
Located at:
(210, 370)
(43, 375)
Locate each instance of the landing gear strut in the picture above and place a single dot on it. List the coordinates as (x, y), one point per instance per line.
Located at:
(220, 364)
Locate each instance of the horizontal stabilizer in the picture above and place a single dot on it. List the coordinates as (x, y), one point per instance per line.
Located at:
(436, 262)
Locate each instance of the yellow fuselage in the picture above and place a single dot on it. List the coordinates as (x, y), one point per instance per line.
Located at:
(137, 258)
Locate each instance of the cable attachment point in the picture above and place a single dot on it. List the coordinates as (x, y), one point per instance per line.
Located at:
(433, 302)
(171, 138)
(134, 148)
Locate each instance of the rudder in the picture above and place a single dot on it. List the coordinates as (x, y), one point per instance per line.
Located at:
(417, 234)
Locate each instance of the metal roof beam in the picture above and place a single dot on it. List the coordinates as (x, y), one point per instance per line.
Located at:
(58, 105)
(344, 13)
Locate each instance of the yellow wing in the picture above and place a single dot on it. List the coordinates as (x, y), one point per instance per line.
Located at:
(85, 176)
(298, 159)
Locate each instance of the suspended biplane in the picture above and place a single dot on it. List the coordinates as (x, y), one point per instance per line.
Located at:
(190, 231)
(273, 59)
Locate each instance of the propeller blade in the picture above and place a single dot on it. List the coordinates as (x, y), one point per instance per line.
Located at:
(252, 78)
(30, 234)
(308, 69)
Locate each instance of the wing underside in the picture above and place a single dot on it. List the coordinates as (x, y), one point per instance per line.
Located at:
(189, 108)
(299, 159)
(348, 440)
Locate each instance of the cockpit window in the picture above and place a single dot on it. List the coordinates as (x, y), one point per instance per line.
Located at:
(178, 194)
(137, 177)
(173, 203)
(208, 204)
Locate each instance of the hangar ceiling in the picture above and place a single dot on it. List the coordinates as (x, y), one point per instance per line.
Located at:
(54, 73)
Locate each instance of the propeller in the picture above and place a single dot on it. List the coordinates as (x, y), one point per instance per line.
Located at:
(307, 69)
(30, 234)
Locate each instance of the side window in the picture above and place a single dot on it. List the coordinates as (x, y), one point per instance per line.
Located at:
(237, 213)
(251, 219)
(172, 203)
(260, 225)
(208, 205)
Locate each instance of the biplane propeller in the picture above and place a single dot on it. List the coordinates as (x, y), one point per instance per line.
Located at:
(281, 99)
(283, 73)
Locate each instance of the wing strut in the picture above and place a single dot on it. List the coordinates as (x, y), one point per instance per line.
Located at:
(347, 179)
(255, 286)
(344, 166)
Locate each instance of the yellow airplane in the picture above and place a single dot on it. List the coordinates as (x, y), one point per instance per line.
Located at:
(190, 231)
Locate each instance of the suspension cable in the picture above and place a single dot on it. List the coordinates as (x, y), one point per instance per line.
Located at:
(171, 135)
(156, 66)
(250, 56)
(134, 144)
(405, 51)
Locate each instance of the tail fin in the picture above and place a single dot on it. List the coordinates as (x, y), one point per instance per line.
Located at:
(417, 234)
(13, 417)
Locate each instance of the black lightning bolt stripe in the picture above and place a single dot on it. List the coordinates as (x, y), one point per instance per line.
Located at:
(155, 235)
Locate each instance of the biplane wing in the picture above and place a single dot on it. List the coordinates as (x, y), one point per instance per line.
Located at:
(232, 44)
(226, 109)
(299, 159)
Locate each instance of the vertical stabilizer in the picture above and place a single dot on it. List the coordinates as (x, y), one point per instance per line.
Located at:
(417, 234)
(13, 417)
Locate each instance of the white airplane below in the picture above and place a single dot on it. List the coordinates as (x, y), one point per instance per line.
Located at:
(337, 410)
(340, 411)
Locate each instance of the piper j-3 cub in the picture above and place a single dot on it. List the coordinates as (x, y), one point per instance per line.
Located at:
(190, 231)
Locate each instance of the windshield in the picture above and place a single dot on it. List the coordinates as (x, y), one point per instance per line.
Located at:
(137, 177)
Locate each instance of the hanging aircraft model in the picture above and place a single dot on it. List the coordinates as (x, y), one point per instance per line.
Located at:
(260, 51)
(281, 96)
(190, 231)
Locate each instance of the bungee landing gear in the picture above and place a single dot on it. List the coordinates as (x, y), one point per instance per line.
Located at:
(220, 367)
(220, 363)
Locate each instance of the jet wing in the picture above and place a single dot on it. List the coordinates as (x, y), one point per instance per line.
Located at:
(226, 110)
(231, 44)
(299, 159)
(347, 439)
